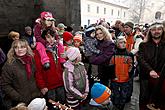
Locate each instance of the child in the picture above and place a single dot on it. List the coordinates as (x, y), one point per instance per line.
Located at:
(75, 78)
(50, 81)
(77, 41)
(14, 35)
(121, 86)
(90, 42)
(67, 40)
(61, 29)
(100, 97)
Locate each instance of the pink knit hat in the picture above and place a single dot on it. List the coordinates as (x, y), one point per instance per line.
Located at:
(47, 16)
(72, 53)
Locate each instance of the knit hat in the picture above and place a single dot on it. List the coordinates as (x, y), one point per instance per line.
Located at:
(67, 36)
(130, 24)
(77, 38)
(72, 53)
(89, 30)
(46, 16)
(100, 93)
(61, 25)
(28, 28)
(37, 104)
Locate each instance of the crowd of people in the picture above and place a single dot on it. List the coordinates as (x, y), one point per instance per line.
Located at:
(93, 67)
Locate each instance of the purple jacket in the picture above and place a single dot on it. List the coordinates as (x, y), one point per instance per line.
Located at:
(107, 48)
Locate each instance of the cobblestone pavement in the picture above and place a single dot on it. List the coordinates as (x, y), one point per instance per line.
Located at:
(134, 103)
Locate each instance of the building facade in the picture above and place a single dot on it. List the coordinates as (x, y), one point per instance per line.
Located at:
(94, 10)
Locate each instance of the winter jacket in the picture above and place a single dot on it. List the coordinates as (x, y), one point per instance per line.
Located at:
(151, 56)
(107, 49)
(17, 87)
(51, 78)
(124, 62)
(90, 46)
(75, 80)
(38, 32)
(130, 42)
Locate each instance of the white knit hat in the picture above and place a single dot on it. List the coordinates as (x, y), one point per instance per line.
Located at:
(37, 104)
(72, 53)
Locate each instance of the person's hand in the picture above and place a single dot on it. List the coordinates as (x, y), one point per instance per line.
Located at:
(153, 74)
(44, 91)
(84, 96)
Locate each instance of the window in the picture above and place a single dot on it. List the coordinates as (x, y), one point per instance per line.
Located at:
(88, 8)
(97, 9)
(118, 13)
(104, 10)
(112, 12)
(88, 22)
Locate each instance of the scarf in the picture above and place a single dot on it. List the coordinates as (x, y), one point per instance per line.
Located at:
(27, 62)
(54, 50)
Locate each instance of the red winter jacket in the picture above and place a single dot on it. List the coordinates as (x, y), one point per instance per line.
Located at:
(51, 78)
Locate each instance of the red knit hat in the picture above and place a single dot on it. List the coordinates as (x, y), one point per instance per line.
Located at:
(67, 36)
(77, 38)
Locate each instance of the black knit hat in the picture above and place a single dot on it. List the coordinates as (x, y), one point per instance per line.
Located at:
(130, 24)
(89, 30)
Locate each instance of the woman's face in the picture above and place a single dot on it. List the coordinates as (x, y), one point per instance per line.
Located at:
(20, 50)
(99, 35)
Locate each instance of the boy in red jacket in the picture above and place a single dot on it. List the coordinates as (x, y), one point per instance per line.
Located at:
(50, 81)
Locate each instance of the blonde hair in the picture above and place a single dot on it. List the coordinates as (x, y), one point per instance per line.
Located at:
(13, 34)
(107, 35)
(20, 106)
(11, 53)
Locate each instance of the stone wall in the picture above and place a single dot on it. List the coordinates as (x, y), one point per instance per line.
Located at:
(16, 14)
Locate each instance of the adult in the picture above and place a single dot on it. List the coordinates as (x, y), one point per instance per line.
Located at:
(128, 33)
(106, 46)
(151, 59)
(116, 27)
(18, 80)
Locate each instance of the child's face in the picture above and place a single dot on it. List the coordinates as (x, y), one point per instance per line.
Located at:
(93, 34)
(48, 23)
(121, 44)
(50, 39)
(106, 101)
(77, 60)
(77, 43)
